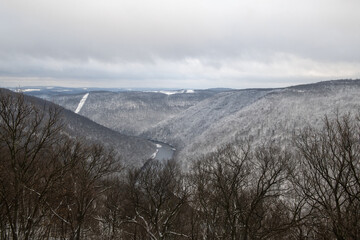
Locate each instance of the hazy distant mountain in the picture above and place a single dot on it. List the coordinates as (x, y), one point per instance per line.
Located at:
(133, 150)
(133, 112)
(48, 92)
(197, 122)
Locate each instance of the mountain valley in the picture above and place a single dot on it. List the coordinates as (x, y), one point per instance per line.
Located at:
(198, 122)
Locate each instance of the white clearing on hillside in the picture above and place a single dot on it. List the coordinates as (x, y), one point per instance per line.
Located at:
(171, 92)
(81, 103)
(28, 90)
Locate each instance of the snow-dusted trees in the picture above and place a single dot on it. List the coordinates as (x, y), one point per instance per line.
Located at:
(158, 202)
(82, 190)
(328, 177)
(29, 170)
(54, 187)
(48, 183)
(239, 193)
(311, 191)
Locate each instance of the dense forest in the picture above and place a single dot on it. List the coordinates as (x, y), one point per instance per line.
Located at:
(55, 186)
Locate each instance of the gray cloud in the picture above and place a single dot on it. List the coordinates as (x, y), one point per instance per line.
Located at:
(202, 43)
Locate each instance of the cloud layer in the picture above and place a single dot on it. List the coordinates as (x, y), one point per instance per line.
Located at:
(173, 43)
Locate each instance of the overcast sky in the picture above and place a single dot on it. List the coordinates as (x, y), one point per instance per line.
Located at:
(178, 43)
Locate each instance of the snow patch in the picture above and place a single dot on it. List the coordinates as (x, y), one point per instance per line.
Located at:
(168, 92)
(81, 103)
(154, 154)
(174, 92)
(158, 146)
(28, 90)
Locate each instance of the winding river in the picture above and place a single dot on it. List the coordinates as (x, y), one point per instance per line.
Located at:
(163, 152)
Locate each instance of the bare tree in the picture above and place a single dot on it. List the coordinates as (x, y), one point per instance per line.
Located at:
(83, 189)
(158, 199)
(28, 168)
(112, 216)
(328, 177)
(218, 180)
(50, 186)
(238, 193)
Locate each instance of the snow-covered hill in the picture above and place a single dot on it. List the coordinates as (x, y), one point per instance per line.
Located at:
(255, 114)
(197, 122)
(132, 112)
(134, 151)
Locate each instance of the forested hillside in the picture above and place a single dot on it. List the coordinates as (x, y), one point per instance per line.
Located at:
(132, 112)
(259, 115)
(200, 122)
(134, 150)
(54, 186)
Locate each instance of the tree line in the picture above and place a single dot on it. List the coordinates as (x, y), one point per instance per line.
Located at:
(53, 186)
